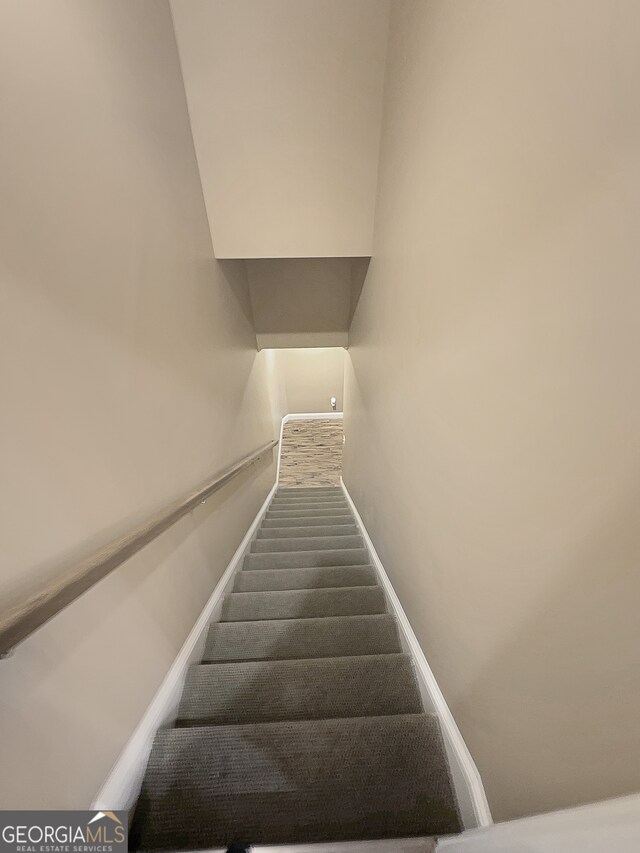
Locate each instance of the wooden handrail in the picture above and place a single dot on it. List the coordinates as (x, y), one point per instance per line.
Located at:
(28, 615)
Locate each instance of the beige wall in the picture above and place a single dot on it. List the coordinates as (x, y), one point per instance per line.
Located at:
(491, 402)
(285, 101)
(308, 378)
(301, 302)
(128, 373)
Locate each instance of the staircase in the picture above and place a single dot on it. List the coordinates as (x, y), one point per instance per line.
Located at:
(303, 723)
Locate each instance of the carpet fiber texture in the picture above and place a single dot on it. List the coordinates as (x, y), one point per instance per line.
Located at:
(303, 723)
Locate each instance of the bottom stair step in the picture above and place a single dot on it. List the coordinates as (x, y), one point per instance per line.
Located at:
(295, 782)
(284, 639)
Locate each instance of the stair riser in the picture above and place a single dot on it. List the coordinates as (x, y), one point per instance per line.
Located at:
(277, 579)
(307, 559)
(329, 688)
(308, 521)
(307, 513)
(277, 506)
(310, 498)
(302, 638)
(320, 492)
(306, 532)
(297, 604)
(313, 543)
(326, 496)
(283, 496)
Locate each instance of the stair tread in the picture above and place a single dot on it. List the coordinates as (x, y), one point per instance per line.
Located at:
(316, 495)
(302, 559)
(309, 490)
(304, 578)
(291, 506)
(269, 691)
(312, 530)
(306, 638)
(320, 493)
(304, 781)
(296, 603)
(308, 521)
(309, 513)
(364, 565)
(305, 543)
(333, 498)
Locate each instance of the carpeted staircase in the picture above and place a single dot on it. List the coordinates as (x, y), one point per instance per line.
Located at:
(303, 722)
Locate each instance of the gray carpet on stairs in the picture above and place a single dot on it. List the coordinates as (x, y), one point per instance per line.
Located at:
(322, 506)
(310, 530)
(298, 603)
(313, 578)
(290, 523)
(306, 503)
(300, 559)
(305, 543)
(303, 723)
(332, 636)
(315, 512)
(272, 691)
(301, 781)
(287, 497)
(310, 494)
(296, 491)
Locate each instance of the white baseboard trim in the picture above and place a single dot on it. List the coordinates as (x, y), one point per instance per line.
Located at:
(304, 416)
(122, 786)
(466, 778)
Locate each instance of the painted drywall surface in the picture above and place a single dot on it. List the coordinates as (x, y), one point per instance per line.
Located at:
(491, 409)
(304, 302)
(285, 99)
(301, 340)
(607, 825)
(308, 378)
(128, 374)
(300, 301)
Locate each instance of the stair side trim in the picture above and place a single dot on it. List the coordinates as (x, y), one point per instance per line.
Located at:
(467, 782)
(121, 788)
